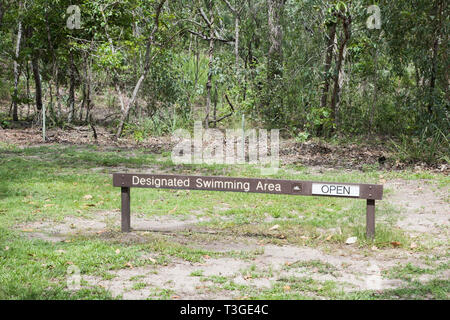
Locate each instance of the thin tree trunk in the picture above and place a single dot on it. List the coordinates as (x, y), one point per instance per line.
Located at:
(27, 78)
(328, 60)
(417, 76)
(236, 40)
(435, 56)
(237, 17)
(197, 60)
(71, 89)
(335, 99)
(16, 68)
(215, 108)
(433, 75)
(55, 69)
(274, 99)
(37, 81)
(86, 103)
(375, 92)
(327, 77)
(210, 63)
(275, 11)
(446, 79)
(129, 104)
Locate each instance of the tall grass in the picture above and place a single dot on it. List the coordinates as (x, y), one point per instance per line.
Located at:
(430, 146)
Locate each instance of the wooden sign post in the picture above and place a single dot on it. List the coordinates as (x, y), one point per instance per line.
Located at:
(369, 192)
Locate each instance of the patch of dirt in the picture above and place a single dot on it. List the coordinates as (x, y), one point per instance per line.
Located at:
(228, 244)
(424, 210)
(323, 156)
(350, 268)
(103, 221)
(177, 277)
(60, 231)
(423, 207)
(83, 136)
(310, 153)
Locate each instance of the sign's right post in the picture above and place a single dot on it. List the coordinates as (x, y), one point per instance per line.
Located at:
(370, 218)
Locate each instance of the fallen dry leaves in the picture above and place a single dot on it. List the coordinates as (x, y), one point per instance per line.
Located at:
(396, 244)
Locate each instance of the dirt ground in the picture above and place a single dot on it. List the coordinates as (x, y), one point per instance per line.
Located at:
(425, 214)
(312, 154)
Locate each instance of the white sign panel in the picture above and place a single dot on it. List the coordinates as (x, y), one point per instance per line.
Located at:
(335, 189)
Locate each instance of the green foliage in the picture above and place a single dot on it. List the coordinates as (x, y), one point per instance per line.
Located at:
(393, 80)
(302, 137)
(155, 126)
(431, 146)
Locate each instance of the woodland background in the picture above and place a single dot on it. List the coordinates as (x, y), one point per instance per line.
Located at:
(311, 68)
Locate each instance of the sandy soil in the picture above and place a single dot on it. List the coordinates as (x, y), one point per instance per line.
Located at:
(424, 213)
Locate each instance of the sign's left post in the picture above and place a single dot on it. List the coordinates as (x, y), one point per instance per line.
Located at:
(126, 217)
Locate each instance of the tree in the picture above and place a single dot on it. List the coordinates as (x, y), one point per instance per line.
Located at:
(212, 37)
(17, 65)
(345, 18)
(274, 97)
(237, 17)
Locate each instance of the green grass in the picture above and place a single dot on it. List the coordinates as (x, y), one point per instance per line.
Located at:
(409, 272)
(196, 273)
(436, 289)
(139, 286)
(50, 183)
(316, 265)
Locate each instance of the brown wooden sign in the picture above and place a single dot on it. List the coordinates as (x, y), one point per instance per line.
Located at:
(370, 192)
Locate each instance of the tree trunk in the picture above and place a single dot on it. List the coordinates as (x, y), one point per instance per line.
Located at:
(275, 57)
(86, 104)
(215, 108)
(28, 87)
(335, 99)
(237, 17)
(434, 57)
(197, 60)
(375, 92)
(328, 60)
(37, 81)
(274, 100)
(128, 105)
(54, 69)
(16, 68)
(210, 63)
(236, 40)
(71, 89)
